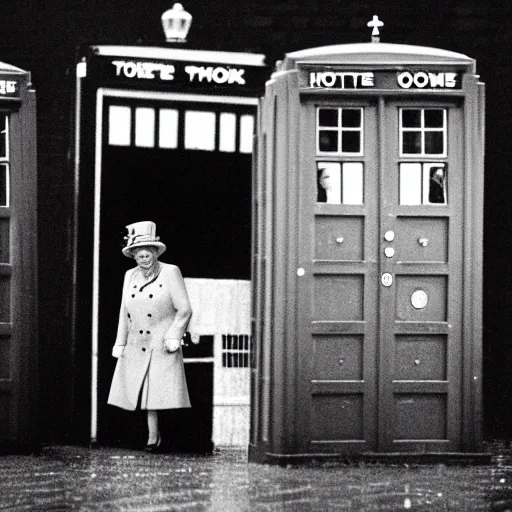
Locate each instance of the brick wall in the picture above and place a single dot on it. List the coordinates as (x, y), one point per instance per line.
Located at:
(42, 36)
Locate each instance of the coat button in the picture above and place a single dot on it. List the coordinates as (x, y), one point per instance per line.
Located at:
(141, 332)
(150, 315)
(133, 295)
(143, 349)
(148, 332)
(151, 296)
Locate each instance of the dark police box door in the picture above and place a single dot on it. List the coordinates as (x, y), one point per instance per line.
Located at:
(19, 327)
(384, 292)
(200, 202)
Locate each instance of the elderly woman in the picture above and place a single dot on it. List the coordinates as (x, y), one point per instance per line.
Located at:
(155, 311)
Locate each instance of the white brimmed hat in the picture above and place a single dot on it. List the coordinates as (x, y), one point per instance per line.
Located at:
(142, 234)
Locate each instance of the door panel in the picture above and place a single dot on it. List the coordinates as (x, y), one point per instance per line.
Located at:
(329, 289)
(338, 357)
(422, 239)
(431, 308)
(419, 416)
(420, 357)
(335, 241)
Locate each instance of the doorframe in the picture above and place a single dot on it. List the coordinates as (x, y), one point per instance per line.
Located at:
(101, 94)
(471, 350)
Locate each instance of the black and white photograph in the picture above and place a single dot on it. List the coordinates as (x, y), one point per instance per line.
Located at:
(255, 256)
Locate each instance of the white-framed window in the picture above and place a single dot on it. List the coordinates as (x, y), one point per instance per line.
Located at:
(174, 128)
(340, 182)
(423, 183)
(4, 161)
(423, 132)
(200, 130)
(119, 125)
(246, 133)
(145, 127)
(227, 135)
(168, 128)
(339, 131)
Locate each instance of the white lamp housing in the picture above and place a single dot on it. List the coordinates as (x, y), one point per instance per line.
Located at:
(176, 24)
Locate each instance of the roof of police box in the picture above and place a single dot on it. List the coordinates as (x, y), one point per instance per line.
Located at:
(10, 68)
(376, 53)
(164, 53)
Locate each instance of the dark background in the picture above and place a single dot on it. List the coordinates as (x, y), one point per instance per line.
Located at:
(43, 36)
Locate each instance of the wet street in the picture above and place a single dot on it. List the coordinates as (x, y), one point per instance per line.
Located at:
(65, 478)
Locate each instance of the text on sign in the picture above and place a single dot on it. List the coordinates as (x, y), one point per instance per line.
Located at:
(167, 72)
(341, 80)
(7, 87)
(424, 80)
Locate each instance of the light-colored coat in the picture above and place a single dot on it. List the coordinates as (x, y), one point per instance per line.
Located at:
(148, 315)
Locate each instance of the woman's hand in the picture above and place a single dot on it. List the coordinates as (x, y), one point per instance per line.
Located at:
(117, 351)
(172, 344)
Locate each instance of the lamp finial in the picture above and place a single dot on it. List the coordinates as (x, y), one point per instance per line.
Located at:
(176, 23)
(375, 24)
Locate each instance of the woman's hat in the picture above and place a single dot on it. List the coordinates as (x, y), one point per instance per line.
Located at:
(142, 234)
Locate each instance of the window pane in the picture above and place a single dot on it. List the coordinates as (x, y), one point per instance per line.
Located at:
(4, 185)
(329, 182)
(411, 143)
(5, 299)
(246, 134)
(200, 130)
(168, 130)
(351, 142)
(227, 140)
(145, 127)
(5, 242)
(119, 125)
(410, 184)
(328, 117)
(235, 352)
(351, 118)
(352, 183)
(3, 135)
(434, 118)
(411, 118)
(328, 141)
(434, 176)
(434, 143)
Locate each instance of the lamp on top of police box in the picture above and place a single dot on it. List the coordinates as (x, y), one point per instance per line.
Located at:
(176, 24)
(375, 24)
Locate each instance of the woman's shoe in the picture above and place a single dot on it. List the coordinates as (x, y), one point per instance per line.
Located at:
(154, 447)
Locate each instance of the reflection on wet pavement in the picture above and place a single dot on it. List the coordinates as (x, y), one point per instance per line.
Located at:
(79, 478)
